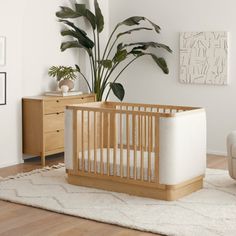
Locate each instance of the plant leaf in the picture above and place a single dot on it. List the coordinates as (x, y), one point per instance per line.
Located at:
(83, 11)
(74, 44)
(81, 42)
(134, 20)
(136, 52)
(67, 12)
(80, 9)
(146, 45)
(77, 68)
(119, 46)
(69, 33)
(120, 56)
(62, 72)
(106, 63)
(91, 18)
(118, 90)
(156, 27)
(72, 25)
(160, 61)
(99, 17)
(70, 44)
(79, 34)
(132, 30)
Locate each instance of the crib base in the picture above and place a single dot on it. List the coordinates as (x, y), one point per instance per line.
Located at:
(164, 192)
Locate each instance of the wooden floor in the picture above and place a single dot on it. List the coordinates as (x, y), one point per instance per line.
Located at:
(20, 220)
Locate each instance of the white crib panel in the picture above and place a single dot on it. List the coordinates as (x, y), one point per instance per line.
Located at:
(182, 147)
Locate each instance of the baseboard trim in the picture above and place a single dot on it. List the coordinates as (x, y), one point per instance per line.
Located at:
(218, 153)
(10, 164)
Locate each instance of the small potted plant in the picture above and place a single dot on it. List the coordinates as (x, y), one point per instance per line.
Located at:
(65, 76)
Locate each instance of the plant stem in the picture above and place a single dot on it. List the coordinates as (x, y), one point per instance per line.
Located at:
(99, 63)
(101, 79)
(111, 48)
(108, 76)
(98, 40)
(108, 55)
(86, 81)
(92, 69)
(95, 48)
(109, 40)
(120, 74)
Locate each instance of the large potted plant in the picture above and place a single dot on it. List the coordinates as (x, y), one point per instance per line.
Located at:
(117, 55)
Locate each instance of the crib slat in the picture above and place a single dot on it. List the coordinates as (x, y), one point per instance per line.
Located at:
(152, 144)
(133, 131)
(121, 145)
(141, 145)
(101, 143)
(145, 130)
(134, 146)
(157, 148)
(128, 145)
(114, 143)
(88, 137)
(149, 146)
(108, 142)
(75, 141)
(82, 138)
(151, 132)
(95, 142)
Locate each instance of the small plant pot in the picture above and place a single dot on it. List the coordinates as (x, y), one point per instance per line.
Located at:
(68, 83)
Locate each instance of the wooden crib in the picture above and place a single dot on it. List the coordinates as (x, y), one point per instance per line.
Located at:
(155, 151)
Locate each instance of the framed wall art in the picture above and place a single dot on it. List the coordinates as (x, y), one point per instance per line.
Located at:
(2, 51)
(3, 88)
(204, 57)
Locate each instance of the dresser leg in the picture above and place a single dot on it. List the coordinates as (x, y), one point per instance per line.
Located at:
(43, 162)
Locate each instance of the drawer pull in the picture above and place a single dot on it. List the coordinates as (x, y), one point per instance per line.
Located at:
(58, 101)
(58, 131)
(58, 113)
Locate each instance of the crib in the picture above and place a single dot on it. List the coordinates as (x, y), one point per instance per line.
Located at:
(155, 151)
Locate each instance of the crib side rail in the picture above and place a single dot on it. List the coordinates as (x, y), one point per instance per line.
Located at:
(117, 144)
(162, 109)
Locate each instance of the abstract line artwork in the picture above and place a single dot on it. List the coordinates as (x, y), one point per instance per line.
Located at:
(204, 58)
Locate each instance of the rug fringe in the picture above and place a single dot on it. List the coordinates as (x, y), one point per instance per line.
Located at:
(44, 169)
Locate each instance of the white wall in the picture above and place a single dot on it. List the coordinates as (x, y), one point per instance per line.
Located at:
(145, 83)
(10, 115)
(33, 42)
(33, 45)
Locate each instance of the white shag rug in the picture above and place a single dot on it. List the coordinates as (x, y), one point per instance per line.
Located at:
(210, 211)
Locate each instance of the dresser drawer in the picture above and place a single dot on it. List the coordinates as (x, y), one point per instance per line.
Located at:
(53, 122)
(54, 140)
(59, 104)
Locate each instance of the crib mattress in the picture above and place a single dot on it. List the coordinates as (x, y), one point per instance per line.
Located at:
(106, 157)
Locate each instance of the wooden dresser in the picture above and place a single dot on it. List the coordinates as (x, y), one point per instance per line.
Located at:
(43, 123)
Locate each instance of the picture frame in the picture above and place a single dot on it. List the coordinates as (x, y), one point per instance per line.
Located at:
(2, 50)
(3, 88)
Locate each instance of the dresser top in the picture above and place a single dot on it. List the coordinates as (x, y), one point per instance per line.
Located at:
(58, 97)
